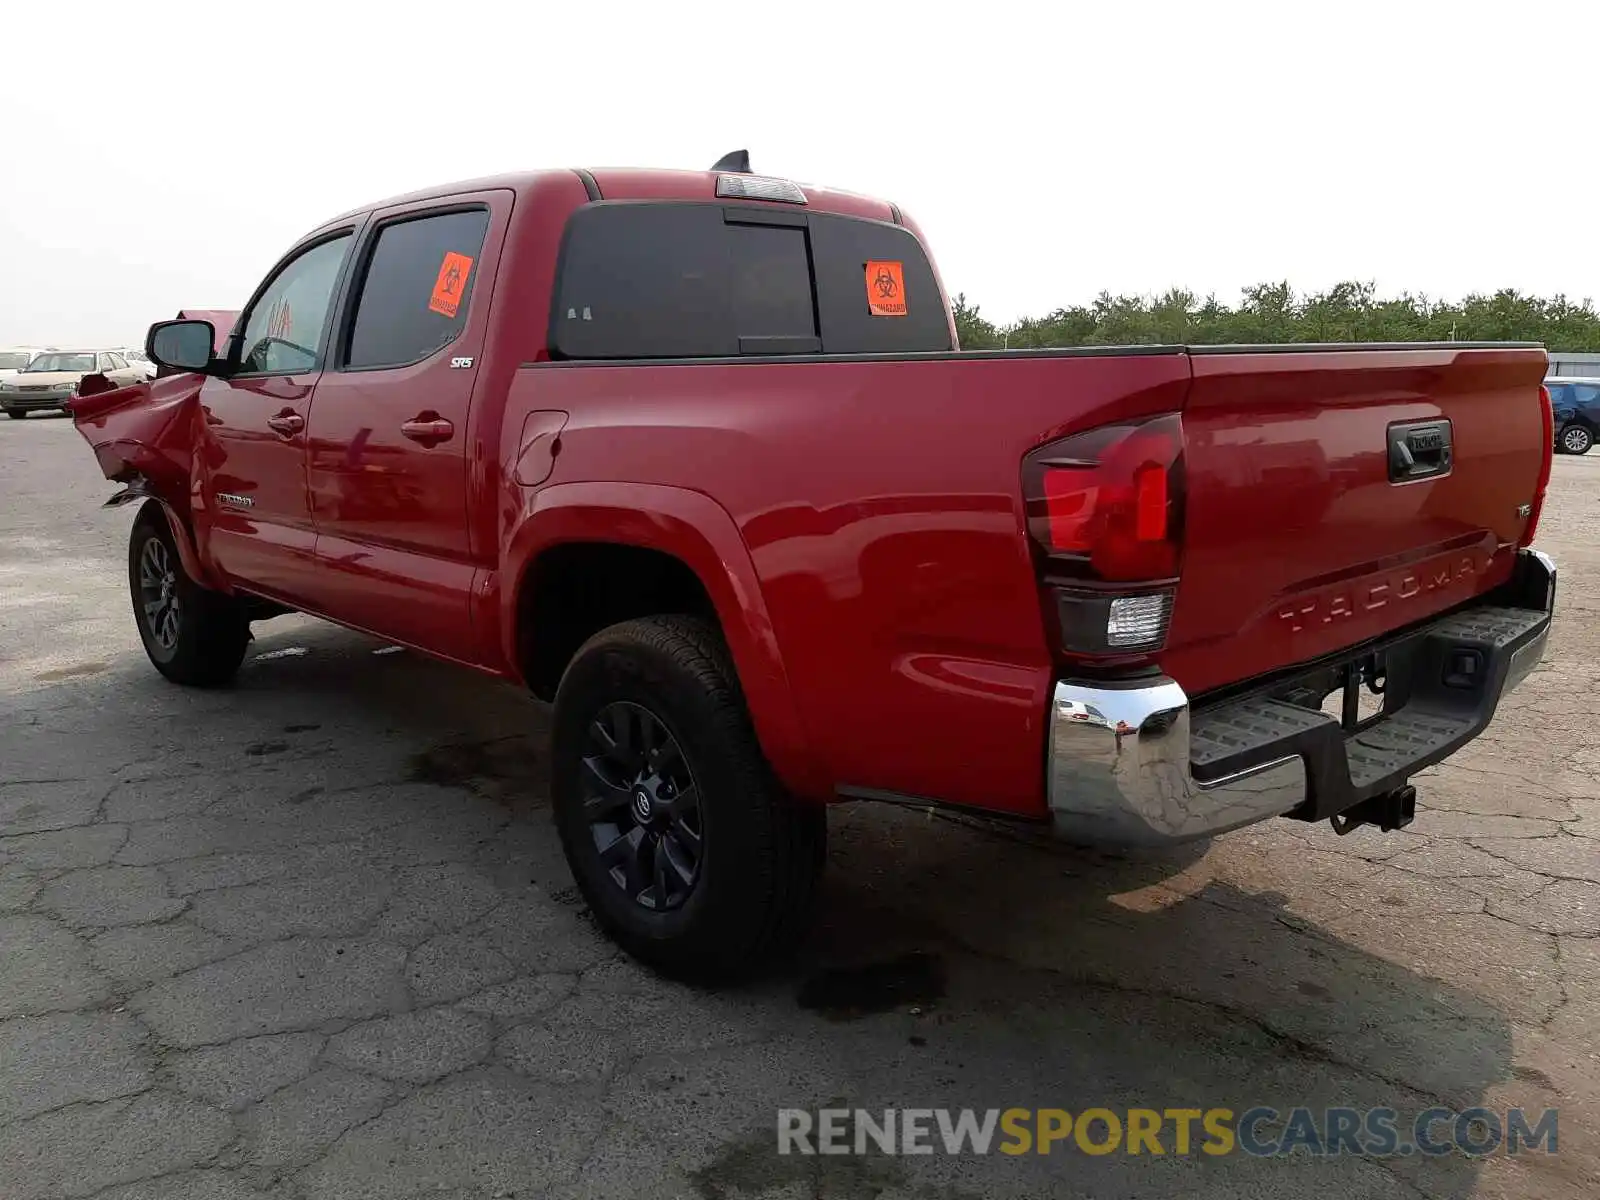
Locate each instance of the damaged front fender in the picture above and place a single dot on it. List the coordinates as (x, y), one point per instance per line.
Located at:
(147, 429)
(148, 436)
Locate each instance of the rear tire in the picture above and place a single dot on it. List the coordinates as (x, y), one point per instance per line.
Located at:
(1575, 439)
(649, 716)
(192, 635)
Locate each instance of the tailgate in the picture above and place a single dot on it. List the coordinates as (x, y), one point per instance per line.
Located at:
(1335, 495)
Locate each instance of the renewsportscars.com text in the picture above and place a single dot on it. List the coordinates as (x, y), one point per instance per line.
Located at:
(1260, 1131)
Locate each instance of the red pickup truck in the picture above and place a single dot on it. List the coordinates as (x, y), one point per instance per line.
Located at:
(695, 456)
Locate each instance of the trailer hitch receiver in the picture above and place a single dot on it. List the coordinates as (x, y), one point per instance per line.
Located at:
(1389, 811)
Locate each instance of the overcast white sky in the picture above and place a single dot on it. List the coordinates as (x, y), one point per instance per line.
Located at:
(162, 155)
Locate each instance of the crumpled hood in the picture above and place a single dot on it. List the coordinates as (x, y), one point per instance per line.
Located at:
(147, 430)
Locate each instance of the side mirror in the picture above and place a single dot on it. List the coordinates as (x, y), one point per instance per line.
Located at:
(181, 345)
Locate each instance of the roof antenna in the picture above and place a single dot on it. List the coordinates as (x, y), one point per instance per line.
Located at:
(736, 162)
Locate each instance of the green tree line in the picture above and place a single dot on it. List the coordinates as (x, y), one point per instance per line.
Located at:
(1274, 312)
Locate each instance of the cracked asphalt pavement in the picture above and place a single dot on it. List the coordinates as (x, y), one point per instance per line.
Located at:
(312, 937)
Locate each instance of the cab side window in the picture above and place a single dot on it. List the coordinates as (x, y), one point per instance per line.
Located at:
(417, 288)
(283, 332)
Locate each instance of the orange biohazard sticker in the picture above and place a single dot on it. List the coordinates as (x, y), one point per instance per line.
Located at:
(451, 284)
(886, 289)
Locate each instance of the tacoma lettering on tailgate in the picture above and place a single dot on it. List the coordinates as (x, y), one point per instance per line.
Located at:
(1348, 600)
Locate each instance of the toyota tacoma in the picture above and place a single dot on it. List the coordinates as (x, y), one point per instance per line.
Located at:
(695, 456)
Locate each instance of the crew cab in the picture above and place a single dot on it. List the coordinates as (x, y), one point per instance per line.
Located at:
(695, 456)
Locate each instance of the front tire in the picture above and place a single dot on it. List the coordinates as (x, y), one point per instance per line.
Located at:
(1575, 439)
(690, 854)
(16, 414)
(192, 635)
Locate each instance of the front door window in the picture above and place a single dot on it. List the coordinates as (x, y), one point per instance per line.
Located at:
(283, 333)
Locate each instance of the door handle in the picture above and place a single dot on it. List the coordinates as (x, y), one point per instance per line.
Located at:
(429, 429)
(287, 423)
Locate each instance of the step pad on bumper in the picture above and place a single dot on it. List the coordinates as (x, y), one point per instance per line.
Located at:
(1494, 627)
(1437, 710)
(1242, 730)
(1396, 742)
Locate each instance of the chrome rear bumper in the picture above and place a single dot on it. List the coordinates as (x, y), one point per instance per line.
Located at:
(1120, 770)
(1120, 775)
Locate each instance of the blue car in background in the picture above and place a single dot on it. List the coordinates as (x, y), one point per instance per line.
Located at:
(1576, 405)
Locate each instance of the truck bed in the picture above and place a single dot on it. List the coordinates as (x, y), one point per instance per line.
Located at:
(881, 502)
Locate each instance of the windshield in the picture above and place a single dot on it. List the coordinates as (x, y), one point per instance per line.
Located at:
(61, 362)
(13, 360)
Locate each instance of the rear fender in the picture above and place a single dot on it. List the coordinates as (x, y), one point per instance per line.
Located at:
(146, 436)
(696, 530)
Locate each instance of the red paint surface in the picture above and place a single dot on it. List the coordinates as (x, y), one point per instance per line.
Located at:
(1290, 503)
(857, 524)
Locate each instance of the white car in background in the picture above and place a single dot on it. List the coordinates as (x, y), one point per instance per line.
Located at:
(137, 359)
(14, 358)
(51, 379)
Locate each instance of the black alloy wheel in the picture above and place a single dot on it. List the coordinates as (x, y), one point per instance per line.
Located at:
(688, 850)
(642, 806)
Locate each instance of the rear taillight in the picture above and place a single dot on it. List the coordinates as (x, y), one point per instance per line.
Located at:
(1535, 509)
(1105, 509)
(1108, 504)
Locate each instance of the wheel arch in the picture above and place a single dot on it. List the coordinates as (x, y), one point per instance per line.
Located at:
(699, 555)
(155, 508)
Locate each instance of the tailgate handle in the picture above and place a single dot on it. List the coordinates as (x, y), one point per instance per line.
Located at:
(1419, 450)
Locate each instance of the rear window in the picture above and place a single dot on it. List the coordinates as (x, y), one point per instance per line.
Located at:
(769, 283)
(672, 280)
